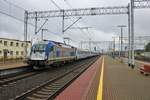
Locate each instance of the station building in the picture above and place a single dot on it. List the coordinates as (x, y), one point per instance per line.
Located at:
(11, 49)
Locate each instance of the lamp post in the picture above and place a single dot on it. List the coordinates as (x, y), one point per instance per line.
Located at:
(121, 39)
(114, 46)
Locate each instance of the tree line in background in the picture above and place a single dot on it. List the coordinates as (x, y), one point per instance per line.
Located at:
(147, 47)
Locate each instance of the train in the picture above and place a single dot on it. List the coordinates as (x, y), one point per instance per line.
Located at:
(50, 53)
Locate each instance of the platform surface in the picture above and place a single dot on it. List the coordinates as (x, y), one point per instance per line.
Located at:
(123, 83)
(120, 82)
(12, 65)
(138, 63)
(85, 87)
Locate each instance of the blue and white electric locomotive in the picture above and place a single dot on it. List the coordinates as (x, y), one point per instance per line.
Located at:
(45, 53)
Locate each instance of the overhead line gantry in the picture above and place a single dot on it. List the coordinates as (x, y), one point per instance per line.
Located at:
(128, 10)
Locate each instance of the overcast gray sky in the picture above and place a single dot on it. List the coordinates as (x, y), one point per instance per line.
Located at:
(104, 27)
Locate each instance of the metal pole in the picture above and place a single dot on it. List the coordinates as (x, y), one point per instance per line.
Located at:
(119, 46)
(121, 41)
(132, 33)
(90, 44)
(81, 44)
(42, 34)
(114, 46)
(129, 35)
(25, 31)
(63, 22)
(121, 38)
(36, 23)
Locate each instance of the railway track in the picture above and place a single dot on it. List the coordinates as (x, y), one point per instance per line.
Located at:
(50, 89)
(4, 81)
(12, 79)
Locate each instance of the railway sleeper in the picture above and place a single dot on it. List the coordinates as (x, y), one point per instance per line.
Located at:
(55, 85)
(32, 98)
(40, 95)
(46, 90)
(43, 92)
(51, 88)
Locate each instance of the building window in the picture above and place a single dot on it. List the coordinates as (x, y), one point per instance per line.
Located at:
(1, 41)
(17, 53)
(26, 44)
(11, 52)
(21, 52)
(0, 52)
(5, 43)
(22, 44)
(11, 43)
(17, 44)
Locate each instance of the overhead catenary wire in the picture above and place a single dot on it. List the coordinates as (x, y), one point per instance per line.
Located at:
(19, 19)
(77, 24)
(56, 4)
(11, 16)
(67, 3)
(10, 3)
(58, 7)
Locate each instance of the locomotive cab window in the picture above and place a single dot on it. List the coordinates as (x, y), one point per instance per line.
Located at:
(39, 47)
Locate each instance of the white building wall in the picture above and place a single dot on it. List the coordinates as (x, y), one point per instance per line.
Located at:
(14, 51)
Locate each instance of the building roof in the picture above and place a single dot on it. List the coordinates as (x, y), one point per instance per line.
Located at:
(14, 40)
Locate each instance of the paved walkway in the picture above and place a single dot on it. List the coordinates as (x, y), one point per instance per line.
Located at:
(85, 87)
(138, 63)
(12, 65)
(123, 83)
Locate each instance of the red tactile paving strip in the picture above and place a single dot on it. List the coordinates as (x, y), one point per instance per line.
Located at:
(80, 87)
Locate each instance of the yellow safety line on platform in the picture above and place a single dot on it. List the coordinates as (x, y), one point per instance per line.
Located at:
(100, 88)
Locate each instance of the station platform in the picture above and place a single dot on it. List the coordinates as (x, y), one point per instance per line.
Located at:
(108, 79)
(12, 65)
(138, 63)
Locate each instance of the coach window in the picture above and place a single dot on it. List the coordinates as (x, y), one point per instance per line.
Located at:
(17, 44)
(5, 43)
(11, 43)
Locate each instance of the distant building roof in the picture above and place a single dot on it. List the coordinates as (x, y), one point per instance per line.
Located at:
(14, 40)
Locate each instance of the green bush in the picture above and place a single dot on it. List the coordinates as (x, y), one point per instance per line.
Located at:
(147, 47)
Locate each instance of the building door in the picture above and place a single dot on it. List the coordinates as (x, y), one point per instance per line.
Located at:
(5, 51)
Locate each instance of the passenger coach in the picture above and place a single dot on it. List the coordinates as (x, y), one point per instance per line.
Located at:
(45, 53)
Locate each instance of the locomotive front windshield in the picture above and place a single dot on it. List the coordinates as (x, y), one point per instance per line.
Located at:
(39, 47)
